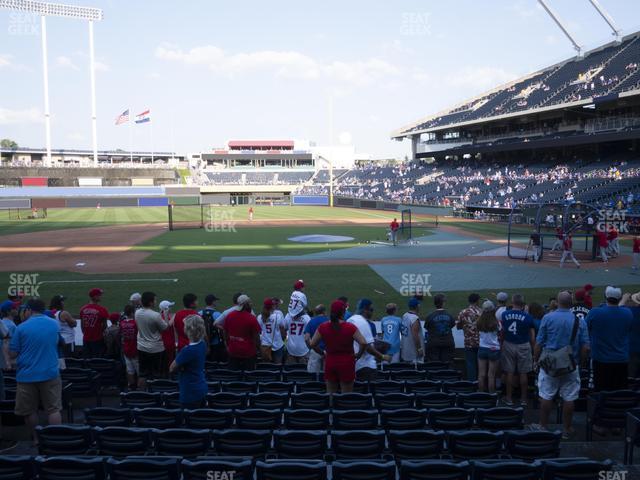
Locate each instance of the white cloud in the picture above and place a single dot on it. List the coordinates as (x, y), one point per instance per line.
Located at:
(14, 117)
(101, 66)
(480, 78)
(66, 62)
(288, 64)
(5, 61)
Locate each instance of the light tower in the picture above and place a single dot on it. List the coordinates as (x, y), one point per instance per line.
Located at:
(45, 9)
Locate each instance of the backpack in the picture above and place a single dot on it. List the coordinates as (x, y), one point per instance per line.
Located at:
(557, 363)
(213, 333)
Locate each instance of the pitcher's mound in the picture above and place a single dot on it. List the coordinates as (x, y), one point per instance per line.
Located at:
(319, 238)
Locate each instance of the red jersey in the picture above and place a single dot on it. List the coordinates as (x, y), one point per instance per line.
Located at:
(168, 334)
(338, 341)
(93, 319)
(636, 245)
(394, 226)
(129, 336)
(567, 244)
(241, 329)
(178, 325)
(559, 233)
(602, 239)
(613, 234)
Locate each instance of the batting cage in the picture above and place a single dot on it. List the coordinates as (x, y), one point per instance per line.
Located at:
(404, 233)
(26, 213)
(182, 216)
(413, 225)
(539, 229)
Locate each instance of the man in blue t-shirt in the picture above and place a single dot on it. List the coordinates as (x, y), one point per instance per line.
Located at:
(391, 331)
(314, 363)
(35, 347)
(610, 329)
(516, 355)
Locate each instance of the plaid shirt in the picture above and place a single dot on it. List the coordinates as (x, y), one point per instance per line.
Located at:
(467, 323)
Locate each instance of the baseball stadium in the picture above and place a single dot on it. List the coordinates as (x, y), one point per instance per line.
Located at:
(495, 268)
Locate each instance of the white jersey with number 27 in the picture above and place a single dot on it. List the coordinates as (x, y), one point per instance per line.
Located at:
(297, 303)
(296, 345)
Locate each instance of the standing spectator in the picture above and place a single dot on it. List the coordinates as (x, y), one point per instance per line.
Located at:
(488, 347)
(316, 354)
(151, 354)
(189, 364)
(250, 214)
(297, 349)
(7, 312)
(467, 319)
(339, 338)
(112, 337)
(636, 253)
(298, 301)
(366, 368)
(169, 337)
(519, 340)
(67, 324)
(537, 312)
(128, 336)
(391, 324)
(273, 332)
(579, 308)
(217, 348)
(242, 335)
(588, 300)
(438, 324)
(502, 298)
(35, 346)
(190, 303)
(412, 335)
(135, 300)
(558, 330)
(347, 312)
(219, 322)
(93, 320)
(632, 302)
(609, 328)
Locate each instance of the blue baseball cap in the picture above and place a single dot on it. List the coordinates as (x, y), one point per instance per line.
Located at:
(364, 303)
(7, 306)
(413, 302)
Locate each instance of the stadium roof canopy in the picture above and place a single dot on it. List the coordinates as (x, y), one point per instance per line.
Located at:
(608, 72)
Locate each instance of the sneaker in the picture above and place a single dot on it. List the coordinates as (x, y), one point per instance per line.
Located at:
(536, 427)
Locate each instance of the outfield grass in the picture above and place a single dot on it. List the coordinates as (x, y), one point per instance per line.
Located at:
(324, 283)
(201, 245)
(64, 218)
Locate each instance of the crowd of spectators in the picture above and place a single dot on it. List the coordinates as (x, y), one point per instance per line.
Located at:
(506, 339)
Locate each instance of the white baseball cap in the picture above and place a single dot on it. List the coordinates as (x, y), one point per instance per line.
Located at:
(613, 292)
(135, 297)
(488, 305)
(502, 296)
(241, 302)
(166, 304)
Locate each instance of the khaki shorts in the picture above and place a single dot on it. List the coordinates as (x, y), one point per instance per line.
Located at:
(29, 396)
(516, 357)
(291, 359)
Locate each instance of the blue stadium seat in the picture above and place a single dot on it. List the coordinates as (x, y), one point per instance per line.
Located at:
(268, 400)
(276, 387)
(461, 386)
(450, 418)
(403, 419)
(423, 386)
(361, 387)
(532, 445)
(226, 400)
(17, 467)
(477, 400)
(435, 400)
(108, 417)
(258, 419)
(391, 401)
(242, 443)
(148, 468)
(608, 409)
(239, 387)
(171, 400)
(162, 385)
(434, 469)
(122, 441)
(408, 375)
(310, 387)
(351, 401)
(500, 418)
(84, 383)
(578, 469)
(382, 387)
(300, 443)
(69, 468)
(416, 444)
(446, 375)
(394, 367)
(224, 375)
(181, 442)
(475, 444)
(157, 417)
(311, 400)
(140, 399)
(263, 375)
(306, 419)
(210, 418)
(357, 444)
(291, 470)
(110, 371)
(355, 419)
(508, 469)
(433, 365)
(298, 376)
(200, 468)
(63, 439)
(269, 366)
(359, 470)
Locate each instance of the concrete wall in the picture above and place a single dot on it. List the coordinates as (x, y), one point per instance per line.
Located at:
(68, 177)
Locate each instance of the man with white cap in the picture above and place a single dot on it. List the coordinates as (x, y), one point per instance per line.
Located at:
(502, 298)
(610, 328)
(135, 300)
(151, 353)
(242, 332)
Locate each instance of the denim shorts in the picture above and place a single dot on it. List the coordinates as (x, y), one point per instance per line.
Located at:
(488, 354)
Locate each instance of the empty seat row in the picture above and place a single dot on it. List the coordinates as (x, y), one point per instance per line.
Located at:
(496, 418)
(16, 467)
(321, 444)
(317, 400)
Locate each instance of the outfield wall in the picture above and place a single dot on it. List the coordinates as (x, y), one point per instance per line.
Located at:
(72, 177)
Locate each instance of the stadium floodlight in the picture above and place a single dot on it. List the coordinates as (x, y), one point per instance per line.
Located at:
(561, 26)
(320, 157)
(46, 9)
(607, 18)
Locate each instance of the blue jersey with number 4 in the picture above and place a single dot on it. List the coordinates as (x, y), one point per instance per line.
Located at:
(517, 325)
(391, 332)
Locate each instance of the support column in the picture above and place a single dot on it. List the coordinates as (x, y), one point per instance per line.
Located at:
(45, 75)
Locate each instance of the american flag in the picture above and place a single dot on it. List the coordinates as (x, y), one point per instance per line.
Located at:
(123, 117)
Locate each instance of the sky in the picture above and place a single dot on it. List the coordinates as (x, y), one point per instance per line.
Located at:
(331, 72)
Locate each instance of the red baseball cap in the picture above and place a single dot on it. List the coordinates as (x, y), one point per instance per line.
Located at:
(114, 317)
(268, 302)
(580, 294)
(588, 287)
(338, 307)
(298, 285)
(95, 292)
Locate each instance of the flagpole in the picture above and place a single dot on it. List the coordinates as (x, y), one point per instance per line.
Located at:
(151, 131)
(131, 136)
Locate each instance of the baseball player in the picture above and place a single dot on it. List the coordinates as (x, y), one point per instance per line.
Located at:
(614, 245)
(534, 241)
(559, 239)
(394, 227)
(250, 214)
(567, 251)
